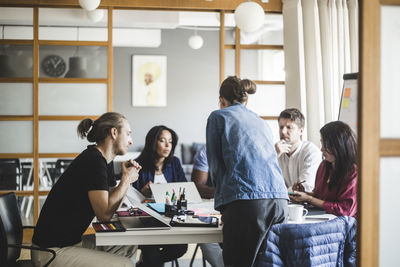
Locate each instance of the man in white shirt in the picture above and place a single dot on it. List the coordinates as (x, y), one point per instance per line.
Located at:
(299, 160)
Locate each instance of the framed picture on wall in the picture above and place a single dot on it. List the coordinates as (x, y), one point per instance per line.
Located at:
(149, 81)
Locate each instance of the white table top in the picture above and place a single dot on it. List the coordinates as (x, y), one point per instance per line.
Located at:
(178, 235)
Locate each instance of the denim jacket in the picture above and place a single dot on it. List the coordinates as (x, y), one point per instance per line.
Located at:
(172, 171)
(241, 156)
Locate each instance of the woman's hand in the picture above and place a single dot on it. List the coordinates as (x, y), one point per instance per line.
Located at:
(130, 171)
(298, 187)
(146, 191)
(300, 196)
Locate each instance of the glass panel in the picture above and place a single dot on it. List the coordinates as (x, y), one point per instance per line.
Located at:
(25, 204)
(51, 170)
(389, 216)
(16, 137)
(72, 24)
(10, 174)
(16, 99)
(390, 78)
(26, 171)
(273, 124)
(72, 99)
(269, 100)
(269, 34)
(229, 62)
(271, 65)
(272, 32)
(145, 19)
(248, 64)
(18, 21)
(73, 61)
(60, 137)
(16, 60)
(47, 173)
(230, 36)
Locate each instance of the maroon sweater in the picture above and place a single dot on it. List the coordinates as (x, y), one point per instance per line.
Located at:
(342, 199)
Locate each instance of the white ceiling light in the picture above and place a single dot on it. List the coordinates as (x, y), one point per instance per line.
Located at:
(89, 5)
(195, 41)
(95, 15)
(249, 16)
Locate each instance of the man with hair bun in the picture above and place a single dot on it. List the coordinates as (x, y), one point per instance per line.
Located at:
(298, 159)
(249, 188)
(87, 189)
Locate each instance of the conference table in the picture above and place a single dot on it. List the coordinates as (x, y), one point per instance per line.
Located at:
(178, 235)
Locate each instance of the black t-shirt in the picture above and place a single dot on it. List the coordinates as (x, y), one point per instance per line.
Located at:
(67, 212)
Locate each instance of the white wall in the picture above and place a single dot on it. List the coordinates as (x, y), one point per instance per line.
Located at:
(192, 86)
(389, 218)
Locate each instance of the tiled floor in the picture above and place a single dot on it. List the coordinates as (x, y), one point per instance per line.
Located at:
(184, 261)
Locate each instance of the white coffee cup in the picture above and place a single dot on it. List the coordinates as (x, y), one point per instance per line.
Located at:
(296, 212)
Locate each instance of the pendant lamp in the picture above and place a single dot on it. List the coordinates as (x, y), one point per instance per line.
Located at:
(249, 16)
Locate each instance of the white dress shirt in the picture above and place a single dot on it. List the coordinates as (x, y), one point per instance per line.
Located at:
(301, 165)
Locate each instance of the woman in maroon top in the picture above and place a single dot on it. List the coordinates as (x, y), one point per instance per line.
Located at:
(336, 180)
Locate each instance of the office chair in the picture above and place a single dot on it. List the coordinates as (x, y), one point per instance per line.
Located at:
(10, 174)
(11, 232)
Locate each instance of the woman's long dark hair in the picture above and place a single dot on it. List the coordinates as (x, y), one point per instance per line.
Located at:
(149, 157)
(340, 141)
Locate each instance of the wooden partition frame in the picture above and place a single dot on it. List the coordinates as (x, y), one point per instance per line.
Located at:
(35, 80)
(371, 146)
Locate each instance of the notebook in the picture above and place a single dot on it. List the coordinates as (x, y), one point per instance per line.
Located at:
(191, 193)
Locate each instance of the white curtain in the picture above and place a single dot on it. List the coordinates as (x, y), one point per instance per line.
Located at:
(321, 44)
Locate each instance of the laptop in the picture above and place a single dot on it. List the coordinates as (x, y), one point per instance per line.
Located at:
(191, 193)
(136, 223)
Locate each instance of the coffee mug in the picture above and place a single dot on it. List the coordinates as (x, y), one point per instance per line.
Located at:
(296, 212)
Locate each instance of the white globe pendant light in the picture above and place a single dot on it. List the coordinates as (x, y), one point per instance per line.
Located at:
(95, 15)
(89, 5)
(195, 41)
(249, 16)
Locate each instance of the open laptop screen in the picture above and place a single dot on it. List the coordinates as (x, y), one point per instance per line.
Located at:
(191, 193)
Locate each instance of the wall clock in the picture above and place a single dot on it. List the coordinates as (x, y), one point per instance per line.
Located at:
(54, 65)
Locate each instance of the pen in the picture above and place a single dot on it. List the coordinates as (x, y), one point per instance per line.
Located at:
(173, 197)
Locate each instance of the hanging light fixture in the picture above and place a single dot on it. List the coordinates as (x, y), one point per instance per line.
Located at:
(77, 64)
(95, 15)
(249, 16)
(89, 5)
(77, 68)
(195, 41)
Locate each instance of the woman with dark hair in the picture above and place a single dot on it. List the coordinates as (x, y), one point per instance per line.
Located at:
(250, 192)
(159, 165)
(336, 180)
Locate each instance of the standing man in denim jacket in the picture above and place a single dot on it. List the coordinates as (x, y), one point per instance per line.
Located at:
(250, 191)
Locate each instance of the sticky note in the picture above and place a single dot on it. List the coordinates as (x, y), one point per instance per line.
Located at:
(345, 103)
(347, 92)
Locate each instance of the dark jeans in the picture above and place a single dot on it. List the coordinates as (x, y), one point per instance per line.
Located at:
(246, 224)
(156, 255)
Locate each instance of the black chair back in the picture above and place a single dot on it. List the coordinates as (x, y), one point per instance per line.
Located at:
(9, 172)
(10, 229)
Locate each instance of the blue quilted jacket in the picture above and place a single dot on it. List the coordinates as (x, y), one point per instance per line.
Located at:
(330, 243)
